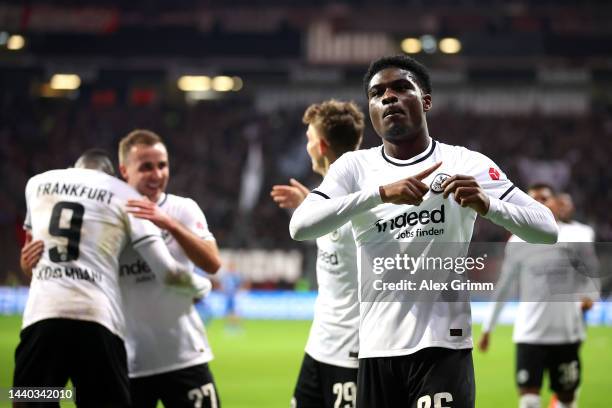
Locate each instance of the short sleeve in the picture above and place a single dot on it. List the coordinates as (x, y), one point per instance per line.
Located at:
(339, 180)
(488, 175)
(27, 223)
(194, 220)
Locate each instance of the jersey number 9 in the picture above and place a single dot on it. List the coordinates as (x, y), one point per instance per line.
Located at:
(72, 232)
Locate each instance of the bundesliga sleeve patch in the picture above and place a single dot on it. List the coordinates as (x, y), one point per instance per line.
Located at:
(493, 173)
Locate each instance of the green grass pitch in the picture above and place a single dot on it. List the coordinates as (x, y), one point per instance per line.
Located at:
(258, 365)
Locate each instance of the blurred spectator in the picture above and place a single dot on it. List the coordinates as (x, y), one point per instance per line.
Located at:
(209, 143)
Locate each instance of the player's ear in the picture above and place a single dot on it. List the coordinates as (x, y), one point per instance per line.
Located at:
(426, 102)
(323, 146)
(123, 171)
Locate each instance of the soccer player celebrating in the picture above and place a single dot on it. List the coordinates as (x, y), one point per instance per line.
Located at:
(328, 375)
(167, 347)
(73, 324)
(414, 189)
(547, 333)
(565, 212)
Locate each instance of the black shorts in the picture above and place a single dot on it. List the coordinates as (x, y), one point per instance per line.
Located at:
(561, 361)
(323, 385)
(52, 351)
(188, 387)
(432, 377)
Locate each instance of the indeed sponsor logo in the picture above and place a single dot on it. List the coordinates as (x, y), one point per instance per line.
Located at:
(327, 257)
(137, 268)
(412, 218)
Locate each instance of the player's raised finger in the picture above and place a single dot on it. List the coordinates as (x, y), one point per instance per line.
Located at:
(299, 185)
(427, 172)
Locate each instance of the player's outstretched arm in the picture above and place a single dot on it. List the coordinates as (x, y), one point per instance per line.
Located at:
(289, 196)
(524, 217)
(203, 253)
(165, 267)
(319, 215)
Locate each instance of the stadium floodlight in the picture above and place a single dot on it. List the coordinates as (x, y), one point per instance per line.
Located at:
(238, 84)
(411, 45)
(67, 82)
(430, 45)
(194, 83)
(449, 45)
(15, 42)
(222, 83)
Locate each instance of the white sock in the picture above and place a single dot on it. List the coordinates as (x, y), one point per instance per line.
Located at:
(529, 401)
(572, 404)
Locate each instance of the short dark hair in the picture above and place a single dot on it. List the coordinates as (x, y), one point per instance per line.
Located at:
(541, 186)
(96, 159)
(341, 124)
(404, 62)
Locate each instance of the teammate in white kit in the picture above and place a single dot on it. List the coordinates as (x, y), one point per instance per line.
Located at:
(547, 333)
(414, 189)
(167, 347)
(73, 324)
(328, 376)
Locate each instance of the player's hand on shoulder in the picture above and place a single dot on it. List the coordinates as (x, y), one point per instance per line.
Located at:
(30, 255)
(410, 190)
(148, 210)
(467, 193)
(289, 196)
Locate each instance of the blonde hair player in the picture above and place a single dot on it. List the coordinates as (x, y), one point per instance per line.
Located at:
(328, 375)
(167, 347)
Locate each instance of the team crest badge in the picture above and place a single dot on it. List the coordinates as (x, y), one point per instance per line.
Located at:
(436, 184)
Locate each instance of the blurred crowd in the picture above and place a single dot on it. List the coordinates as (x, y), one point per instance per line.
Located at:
(226, 156)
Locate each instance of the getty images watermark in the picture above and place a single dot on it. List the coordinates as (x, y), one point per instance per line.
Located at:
(409, 265)
(458, 272)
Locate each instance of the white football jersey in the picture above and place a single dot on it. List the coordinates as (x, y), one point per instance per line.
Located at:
(576, 232)
(164, 331)
(534, 266)
(81, 216)
(334, 335)
(391, 328)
